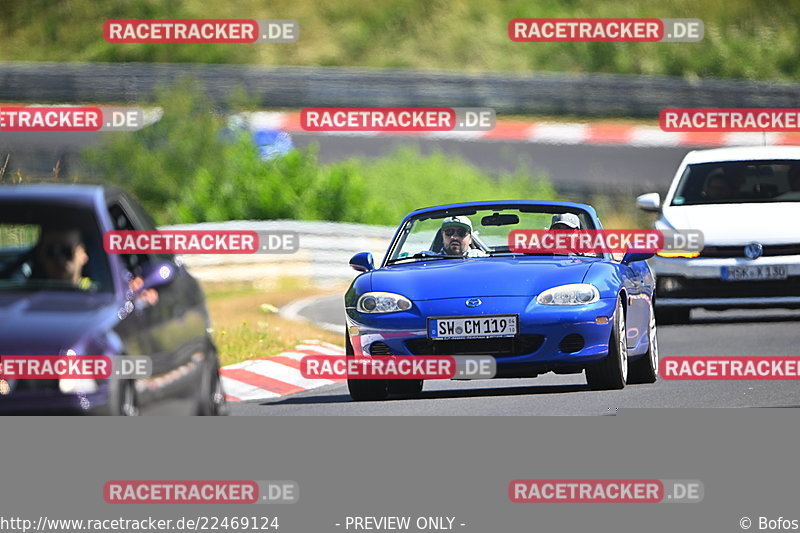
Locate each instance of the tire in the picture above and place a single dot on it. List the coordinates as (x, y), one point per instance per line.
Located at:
(612, 372)
(645, 369)
(364, 390)
(673, 315)
(124, 400)
(212, 400)
(405, 386)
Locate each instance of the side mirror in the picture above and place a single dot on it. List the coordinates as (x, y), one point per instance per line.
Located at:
(649, 202)
(630, 257)
(362, 262)
(158, 274)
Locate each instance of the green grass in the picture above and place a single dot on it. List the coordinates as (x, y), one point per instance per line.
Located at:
(743, 38)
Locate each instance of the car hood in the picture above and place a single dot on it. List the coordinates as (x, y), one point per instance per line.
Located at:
(433, 280)
(728, 224)
(45, 322)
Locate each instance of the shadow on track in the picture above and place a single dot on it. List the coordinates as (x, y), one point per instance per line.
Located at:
(439, 394)
(756, 316)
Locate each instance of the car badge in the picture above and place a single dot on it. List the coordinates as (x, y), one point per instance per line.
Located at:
(473, 302)
(753, 250)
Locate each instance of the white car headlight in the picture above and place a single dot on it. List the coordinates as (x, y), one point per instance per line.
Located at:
(382, 302)
(572, 294)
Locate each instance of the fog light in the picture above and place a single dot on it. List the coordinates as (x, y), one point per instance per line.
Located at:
(669, 284)
(601, 320)
(353, 330)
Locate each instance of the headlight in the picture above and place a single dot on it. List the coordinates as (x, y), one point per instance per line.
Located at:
(382, 302)
(572, 294)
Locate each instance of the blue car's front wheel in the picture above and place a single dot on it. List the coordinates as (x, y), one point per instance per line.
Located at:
(612, 372)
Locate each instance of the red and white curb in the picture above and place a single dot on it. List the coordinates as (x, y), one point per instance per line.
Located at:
(276, 376)
(564, 133)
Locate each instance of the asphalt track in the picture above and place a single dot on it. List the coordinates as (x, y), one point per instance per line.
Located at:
(569, 166)
(734, 332)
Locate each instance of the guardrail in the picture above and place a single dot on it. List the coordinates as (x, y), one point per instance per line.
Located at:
(323, 257)
(536, 93)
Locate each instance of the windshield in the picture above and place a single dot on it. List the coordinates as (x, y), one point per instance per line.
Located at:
(459, 233)
(47, 246)
(739, 182)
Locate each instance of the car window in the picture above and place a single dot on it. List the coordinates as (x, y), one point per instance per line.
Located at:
(122, 222)
(47, 245)
(14, 237)
(146, 223)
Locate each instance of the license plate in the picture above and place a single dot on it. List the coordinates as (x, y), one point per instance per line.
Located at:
(479, 327)
(749, 273)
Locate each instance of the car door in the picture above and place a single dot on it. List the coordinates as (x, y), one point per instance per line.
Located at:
(174, 324)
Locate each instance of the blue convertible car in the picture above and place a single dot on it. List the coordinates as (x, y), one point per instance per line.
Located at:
(538, 312)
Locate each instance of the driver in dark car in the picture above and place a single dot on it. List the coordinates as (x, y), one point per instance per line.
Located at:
(61, 255)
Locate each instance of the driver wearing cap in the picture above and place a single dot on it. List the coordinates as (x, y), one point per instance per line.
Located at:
(457, 237)
(565, 221)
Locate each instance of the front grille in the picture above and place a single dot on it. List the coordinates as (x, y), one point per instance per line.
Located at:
(770, 250)
(571, 343)
(379, 348)
(716, 288)
(519, 345)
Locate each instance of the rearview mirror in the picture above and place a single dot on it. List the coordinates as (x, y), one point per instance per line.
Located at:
(157, 275)
(362, 262)
(497, 219)
(649, 202)
(630, 257)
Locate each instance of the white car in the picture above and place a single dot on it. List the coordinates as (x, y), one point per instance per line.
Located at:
(746, 201)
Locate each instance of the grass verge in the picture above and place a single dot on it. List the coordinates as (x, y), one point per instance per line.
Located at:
(246, 326)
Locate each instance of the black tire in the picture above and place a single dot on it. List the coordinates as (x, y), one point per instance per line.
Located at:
(124, 401)
(364, 390)
(612, 372)
(212, 401)
(645, 369)
(406, 386)
(673, 315)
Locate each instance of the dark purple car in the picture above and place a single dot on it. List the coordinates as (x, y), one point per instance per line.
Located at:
(68, 296)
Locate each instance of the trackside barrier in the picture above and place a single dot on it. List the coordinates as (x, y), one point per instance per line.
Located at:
(589, 95)
(325, 249)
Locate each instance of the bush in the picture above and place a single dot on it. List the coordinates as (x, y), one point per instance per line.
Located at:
(184, 171)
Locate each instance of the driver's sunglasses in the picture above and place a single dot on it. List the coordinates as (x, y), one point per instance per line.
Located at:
(461, 232)
(59, 251)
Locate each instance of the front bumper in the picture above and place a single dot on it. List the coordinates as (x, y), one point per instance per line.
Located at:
(23, 399)
(550, 338)
(696, 282)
